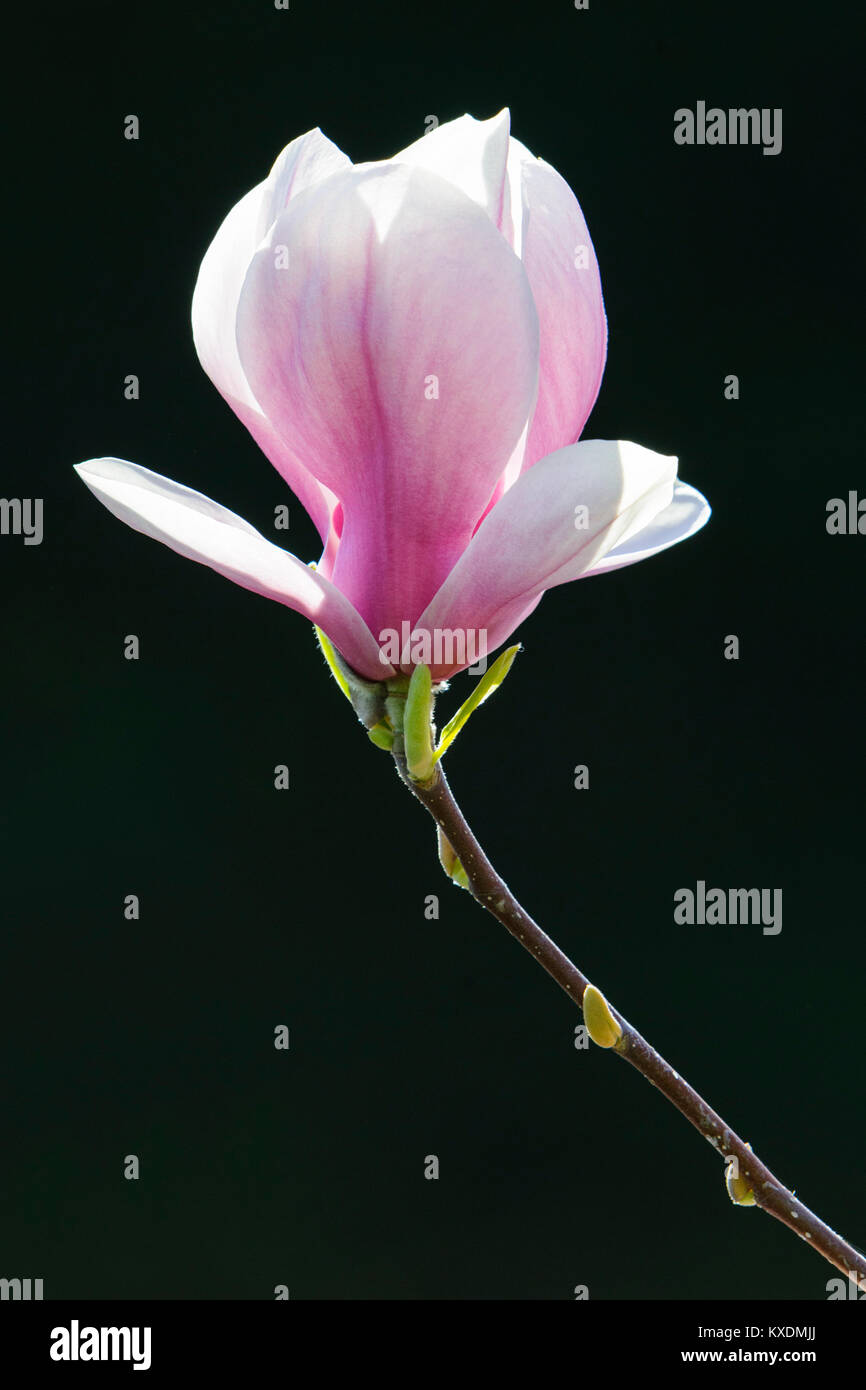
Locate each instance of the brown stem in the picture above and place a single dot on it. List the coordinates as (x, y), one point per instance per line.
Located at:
(493, 893)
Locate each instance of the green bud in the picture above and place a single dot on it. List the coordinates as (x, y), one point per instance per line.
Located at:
(382, 735)
(600, 1022)
(738, 1189)
(417, 716)
(449, 861)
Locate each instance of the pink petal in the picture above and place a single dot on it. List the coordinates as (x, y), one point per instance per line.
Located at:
(202, 530)
(572, 323)
(304, 162)
(529, 541)
(539, 215)
(393, 277)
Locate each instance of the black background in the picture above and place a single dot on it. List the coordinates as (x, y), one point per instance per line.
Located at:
(411, 1037)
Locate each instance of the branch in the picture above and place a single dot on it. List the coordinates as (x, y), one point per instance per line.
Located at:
(493, 893)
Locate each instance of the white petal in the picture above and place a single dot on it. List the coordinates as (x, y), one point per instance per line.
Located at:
(473, 156)
(306, 161)
(193, 525)
(686, 513)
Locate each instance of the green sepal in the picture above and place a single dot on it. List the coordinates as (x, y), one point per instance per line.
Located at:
(483, 690)
(327, 649)
(367, 698)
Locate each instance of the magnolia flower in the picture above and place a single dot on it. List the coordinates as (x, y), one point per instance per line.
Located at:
(416, 345)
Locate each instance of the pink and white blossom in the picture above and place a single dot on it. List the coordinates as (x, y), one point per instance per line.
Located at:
(416, 345)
